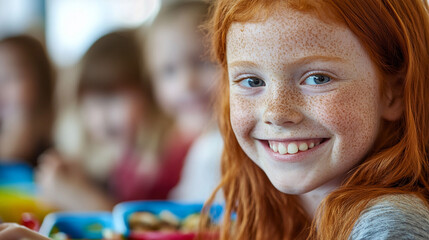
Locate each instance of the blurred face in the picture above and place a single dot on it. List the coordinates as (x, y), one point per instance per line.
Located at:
(112, 118)
(182, 72)
(17, 90)
(18, 96)
(305, 106)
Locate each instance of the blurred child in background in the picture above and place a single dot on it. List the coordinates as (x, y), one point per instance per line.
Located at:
(184, 80)
(120, 123)
(142, 150)
(26, 107)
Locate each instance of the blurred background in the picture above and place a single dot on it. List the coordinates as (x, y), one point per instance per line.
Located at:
(104, 101)
(67, 28)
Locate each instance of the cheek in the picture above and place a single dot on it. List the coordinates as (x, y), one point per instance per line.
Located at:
(18, 93)
(165, 94)
(93, 121)
(243, 117)
(127, 115)
(353, 116)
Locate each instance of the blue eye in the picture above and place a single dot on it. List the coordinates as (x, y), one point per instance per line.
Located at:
(252, 82)
(317, 79)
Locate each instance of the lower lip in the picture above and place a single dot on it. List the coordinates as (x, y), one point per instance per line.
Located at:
(300, 156)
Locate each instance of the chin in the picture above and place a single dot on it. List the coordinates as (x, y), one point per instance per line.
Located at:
(294, 189)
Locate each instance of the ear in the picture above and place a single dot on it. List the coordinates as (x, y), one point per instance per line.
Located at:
(392, 100)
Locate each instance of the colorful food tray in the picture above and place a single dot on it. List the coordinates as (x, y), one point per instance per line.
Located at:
(93, 225)
(123, 211)
(84, 225)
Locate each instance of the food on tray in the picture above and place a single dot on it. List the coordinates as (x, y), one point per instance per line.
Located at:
(144, 221)
(165, 221)
(169, 218)
(191, 222)
(106, 233)
(59, 236)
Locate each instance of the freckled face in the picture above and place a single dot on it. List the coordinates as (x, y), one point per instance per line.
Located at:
(304, 98)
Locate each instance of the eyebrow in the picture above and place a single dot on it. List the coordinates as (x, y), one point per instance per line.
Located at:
(243, 64)
(298, 61)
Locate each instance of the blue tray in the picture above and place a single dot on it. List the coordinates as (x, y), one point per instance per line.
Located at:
(122, 211)
(17, 176)
(84, 225)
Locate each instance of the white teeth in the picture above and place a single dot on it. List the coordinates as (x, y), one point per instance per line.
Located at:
(282, 148)
(303, 147)
(292, 148)
(274, 147)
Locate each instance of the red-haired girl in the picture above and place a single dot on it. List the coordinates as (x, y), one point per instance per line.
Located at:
(325, 118)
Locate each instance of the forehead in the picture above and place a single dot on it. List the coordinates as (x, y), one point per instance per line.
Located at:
(290, 34)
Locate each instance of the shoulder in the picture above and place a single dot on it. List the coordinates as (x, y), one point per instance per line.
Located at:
(401, 216)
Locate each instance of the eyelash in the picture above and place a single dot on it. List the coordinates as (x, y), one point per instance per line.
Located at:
(313, 74)
(302, 82)
(242, 80)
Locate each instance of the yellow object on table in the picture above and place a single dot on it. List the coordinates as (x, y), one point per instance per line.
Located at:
(13, 203)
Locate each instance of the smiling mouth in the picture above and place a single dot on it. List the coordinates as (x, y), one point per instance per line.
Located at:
(294, 147)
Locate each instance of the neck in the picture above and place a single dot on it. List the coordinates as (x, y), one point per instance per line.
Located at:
(311, 200)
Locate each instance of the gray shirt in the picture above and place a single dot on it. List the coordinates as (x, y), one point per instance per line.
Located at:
(399, 217)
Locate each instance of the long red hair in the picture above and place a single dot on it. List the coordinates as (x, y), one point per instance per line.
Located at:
(395, 33)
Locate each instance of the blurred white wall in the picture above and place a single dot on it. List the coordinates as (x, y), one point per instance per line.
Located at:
(22, 16)
(73, 25)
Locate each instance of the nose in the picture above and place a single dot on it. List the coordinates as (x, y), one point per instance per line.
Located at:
(282, 109)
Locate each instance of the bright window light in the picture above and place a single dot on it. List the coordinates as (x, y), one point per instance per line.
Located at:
(73, 25)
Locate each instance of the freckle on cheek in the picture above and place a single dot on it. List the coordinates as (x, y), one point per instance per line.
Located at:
(241, 111)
